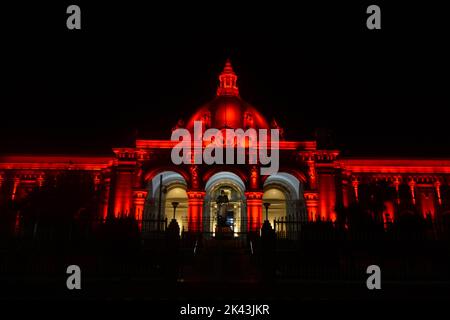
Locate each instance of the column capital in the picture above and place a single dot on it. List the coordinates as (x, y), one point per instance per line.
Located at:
(139, 193)
(196, 194)
(254, 195)
(310, 195)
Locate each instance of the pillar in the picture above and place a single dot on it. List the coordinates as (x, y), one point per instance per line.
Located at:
(15, 186)
(97, 181)
(312, 174)
(437, 186)
(412, 185)
(312, 204)
(396, 185)
(345, 193)
(355, 185)
(123, 193)
(104, 198)
(327, 192)
(40, 180)
(139, 196)
(195, 210)
(254, 210)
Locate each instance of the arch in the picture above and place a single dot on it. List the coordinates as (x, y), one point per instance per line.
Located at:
(156, 171)
(299, 175)
(286, 182)
(277, 199)
(171, 180)
(235, 211)
(238, 174)
(177, 193)
(292, 189)
(223, 178)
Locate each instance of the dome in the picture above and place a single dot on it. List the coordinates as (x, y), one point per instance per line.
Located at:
(227, 109)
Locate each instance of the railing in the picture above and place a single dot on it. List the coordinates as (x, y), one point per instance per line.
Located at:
(286, 228)
(84, 229)
(211, 225)
(301, 250)
(150, 225)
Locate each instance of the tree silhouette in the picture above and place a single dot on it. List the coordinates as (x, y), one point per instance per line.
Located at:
(66, 198)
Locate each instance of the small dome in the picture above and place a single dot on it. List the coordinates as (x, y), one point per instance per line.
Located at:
(227, 109)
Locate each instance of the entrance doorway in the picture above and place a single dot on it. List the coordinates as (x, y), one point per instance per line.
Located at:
(225, 209)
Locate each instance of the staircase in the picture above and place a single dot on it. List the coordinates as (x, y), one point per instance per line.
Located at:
(221, 261)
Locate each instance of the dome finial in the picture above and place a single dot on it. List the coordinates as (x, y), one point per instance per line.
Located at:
(228, 81)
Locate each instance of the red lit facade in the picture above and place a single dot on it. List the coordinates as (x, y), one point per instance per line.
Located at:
(316, 182)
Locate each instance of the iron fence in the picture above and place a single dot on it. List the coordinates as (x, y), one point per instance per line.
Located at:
(287, 228)
(292, 229)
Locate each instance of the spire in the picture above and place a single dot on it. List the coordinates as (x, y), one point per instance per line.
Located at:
(228, 79)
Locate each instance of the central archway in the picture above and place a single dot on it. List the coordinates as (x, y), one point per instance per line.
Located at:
(235, 210)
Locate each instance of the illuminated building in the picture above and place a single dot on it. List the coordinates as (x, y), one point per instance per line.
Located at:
(312, 184)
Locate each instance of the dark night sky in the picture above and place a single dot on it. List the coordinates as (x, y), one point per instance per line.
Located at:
(135, 68)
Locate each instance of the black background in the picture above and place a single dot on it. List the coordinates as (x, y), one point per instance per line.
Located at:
(135, 68)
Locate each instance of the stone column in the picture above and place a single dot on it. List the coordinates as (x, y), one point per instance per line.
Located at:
(124, 182)
(312, 174)
(355, 185)
(437, 186)
(15, 186)
(195, 210)
(104, 198)
(412, 185)
(254, 210)
(139, 196)
(312, 204)
(397, 185)
(345, 193)
(40, 180)
(97, 181)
